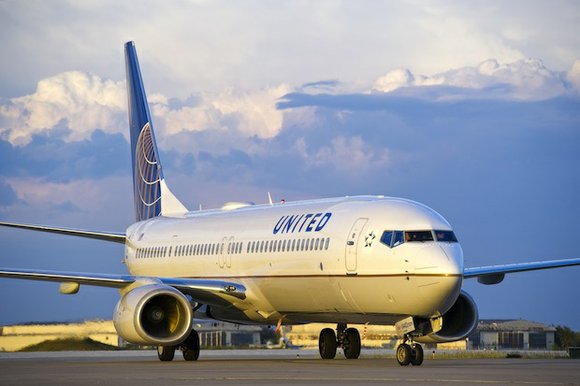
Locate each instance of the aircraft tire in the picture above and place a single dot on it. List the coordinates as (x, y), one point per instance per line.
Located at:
(404, 354)
(165, 353)
(190, 347)
(327, 344)
(352, 346)
(416, 355)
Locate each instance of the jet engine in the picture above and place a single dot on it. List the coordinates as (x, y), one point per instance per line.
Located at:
(456, 324)
(153, 314)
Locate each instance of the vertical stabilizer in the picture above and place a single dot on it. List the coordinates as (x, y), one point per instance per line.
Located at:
(152, 196)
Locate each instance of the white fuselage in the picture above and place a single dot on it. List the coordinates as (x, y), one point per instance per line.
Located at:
(308, 261)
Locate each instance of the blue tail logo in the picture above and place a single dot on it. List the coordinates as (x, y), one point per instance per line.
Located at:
(147, 176)
(152, 197)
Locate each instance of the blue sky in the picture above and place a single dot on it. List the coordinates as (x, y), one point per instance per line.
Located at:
(471, 109)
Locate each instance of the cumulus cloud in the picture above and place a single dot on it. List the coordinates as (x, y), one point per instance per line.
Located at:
(77, 102)
(250, 113)
(527, 79)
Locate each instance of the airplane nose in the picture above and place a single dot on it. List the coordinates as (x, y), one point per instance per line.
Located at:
(439, 273)
(442, 259)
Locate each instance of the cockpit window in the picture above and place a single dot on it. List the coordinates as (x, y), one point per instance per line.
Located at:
(445, 236)
(412, 236)
(392, 238)
(398, 238)
(387, 237)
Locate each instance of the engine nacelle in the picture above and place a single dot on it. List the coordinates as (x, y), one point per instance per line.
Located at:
(457, 323)
(153, 314)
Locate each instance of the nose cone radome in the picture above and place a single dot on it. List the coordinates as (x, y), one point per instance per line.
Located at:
(439, 273)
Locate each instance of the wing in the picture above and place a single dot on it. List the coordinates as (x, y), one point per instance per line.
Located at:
(494, 274)
(207, 291)
(106, 236)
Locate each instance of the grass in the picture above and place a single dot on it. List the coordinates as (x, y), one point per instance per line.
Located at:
(70, 344)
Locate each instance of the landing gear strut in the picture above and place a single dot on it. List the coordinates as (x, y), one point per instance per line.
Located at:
(189, 349)
(346, 338)
(409, 353)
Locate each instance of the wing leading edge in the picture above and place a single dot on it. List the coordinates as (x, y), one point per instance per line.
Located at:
(199, 289)
(106, 236)
(494, 274)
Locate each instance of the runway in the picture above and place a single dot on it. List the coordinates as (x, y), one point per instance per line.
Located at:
(273, 367)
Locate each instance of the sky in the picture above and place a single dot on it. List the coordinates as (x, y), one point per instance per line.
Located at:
(470, 108)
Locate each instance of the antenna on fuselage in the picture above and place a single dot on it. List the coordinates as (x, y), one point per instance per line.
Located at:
(270, 199)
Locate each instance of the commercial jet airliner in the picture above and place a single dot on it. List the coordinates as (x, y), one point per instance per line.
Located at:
(362, 259)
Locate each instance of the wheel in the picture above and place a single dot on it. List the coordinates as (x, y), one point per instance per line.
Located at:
(351, 345)
(190, 347)
(404, 354)
(327, 344)
(416, 355)
(165, 353)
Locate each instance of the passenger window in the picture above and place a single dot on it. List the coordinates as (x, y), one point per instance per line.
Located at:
(327, 243)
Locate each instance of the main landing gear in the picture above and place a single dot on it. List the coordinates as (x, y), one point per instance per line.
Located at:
(346, 338)
(189, 349)
(409, 353)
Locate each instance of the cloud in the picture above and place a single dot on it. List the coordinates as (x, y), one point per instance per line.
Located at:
(256, 44)
(527, 79)
(74, 105)
(249, 113)
(72, 100)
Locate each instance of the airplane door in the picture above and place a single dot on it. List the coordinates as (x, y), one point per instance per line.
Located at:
(352, 241)
(230, 252)
(221, 253)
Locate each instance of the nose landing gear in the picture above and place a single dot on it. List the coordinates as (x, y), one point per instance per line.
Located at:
(409, 353)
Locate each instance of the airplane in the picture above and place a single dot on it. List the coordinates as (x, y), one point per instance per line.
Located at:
(345, 260)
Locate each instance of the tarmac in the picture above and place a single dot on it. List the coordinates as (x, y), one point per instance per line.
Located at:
(273, 367)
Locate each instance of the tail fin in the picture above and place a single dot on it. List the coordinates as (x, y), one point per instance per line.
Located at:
(152, 196)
